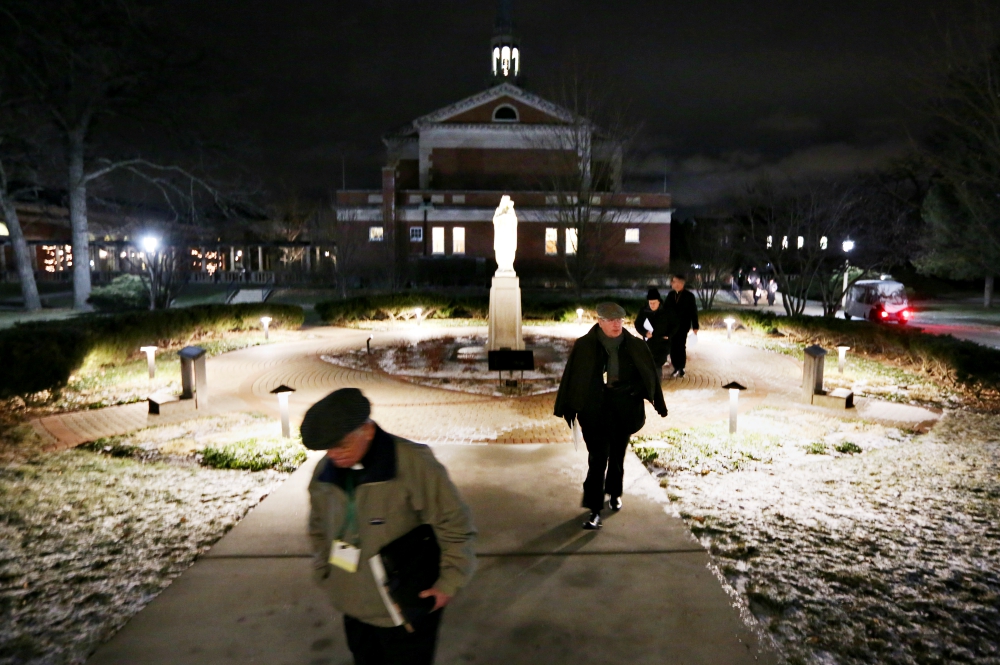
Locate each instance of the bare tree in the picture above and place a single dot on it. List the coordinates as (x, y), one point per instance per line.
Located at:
(12, 189)
(89, 66)
(590, 148)
(715, 249)
(348, 241)
(961, 238)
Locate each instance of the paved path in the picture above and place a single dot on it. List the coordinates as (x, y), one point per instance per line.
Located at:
(242, 380)
(640, 591)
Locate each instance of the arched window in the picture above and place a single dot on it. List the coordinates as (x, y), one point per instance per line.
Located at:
(505, 113)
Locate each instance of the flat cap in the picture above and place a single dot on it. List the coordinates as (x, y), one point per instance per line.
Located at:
(610, 310)
(333, 417)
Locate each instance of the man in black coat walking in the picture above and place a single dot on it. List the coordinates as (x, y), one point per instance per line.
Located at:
(653, 325)
(682, 312)
(609, 374)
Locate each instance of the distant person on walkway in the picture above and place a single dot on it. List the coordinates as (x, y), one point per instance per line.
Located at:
(608, 375)
(370, 489)
(682, 312)
(772, 289)
(653, 326)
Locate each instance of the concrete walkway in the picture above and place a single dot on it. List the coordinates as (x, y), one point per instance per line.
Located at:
(639, 591)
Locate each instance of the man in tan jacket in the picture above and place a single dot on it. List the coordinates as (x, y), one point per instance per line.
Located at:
(370, 489)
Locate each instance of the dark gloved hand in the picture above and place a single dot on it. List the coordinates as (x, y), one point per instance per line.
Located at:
(663, 414)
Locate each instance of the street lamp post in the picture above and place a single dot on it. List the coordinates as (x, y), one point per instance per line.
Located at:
(734, 400)
(283, 392)
(266, 322)
(847, 246)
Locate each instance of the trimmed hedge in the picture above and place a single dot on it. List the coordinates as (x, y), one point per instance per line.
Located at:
(942, 356)
(43, 355)
(401, 306)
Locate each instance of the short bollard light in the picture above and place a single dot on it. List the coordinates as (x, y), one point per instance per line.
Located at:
(842, 357)
(369, 344)
(729, 321)
(734, 400)
(150, 352)
(283, 392)
(418, 311)
(266, 322)
(579, 315)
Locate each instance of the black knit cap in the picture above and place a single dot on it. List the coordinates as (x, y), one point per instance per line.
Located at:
(333, 417)
(653, 293)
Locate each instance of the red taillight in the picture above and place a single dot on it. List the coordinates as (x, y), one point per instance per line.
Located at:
(884, 314)
(907, 313)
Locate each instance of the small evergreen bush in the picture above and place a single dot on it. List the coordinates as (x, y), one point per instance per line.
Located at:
(124, 293)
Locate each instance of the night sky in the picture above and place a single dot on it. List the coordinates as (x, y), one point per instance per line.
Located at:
(727, 91)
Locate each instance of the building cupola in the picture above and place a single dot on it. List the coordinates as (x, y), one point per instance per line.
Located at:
(505, 53)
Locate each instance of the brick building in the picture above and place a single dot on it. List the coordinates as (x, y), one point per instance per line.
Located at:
(446, 171)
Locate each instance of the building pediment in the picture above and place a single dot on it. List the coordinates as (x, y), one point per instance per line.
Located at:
(479, 108)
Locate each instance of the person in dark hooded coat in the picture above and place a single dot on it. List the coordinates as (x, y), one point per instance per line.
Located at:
(653, 325)
(608, 376)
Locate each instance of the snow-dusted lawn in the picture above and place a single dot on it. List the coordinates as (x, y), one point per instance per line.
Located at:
(890, 555)
(88, 538)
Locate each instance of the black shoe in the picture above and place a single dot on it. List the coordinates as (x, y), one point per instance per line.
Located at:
(679, 373)
(615, 503)
(593, 523)
(676, 373)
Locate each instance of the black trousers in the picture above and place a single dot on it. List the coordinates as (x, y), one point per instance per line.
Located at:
(373, 645)
(606, 442)
(678, 349)
(659, 347)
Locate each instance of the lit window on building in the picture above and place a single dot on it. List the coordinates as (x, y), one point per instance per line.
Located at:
(801, 243)
(437, 240)
(770, 242)
(437, 198)
(416, 234)
(595, 200)
(551, 242)
(458, 198)
(458, 240)
(374, 198)
(571, 240)
(551, 200)
(632, 236)
(784, 242)
(376, 234)
(823, 244)
(414, 199)
(633, 200)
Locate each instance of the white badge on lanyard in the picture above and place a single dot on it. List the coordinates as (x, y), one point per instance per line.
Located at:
(345, 556)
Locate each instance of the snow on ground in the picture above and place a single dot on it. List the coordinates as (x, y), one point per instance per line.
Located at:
(887, 555)
(87, 538)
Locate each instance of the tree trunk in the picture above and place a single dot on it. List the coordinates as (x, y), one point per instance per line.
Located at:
(78, 221)
(988, 292)
(29, 290)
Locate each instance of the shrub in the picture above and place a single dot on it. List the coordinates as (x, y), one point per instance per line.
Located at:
(816, 448)
(847, 448)
(124, 293)
(43, 355)
(255, 455)
(401, 307)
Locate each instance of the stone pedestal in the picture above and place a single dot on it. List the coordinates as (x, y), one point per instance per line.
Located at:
(505, 314)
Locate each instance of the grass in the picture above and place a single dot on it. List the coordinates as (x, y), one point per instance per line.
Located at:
(255, 454)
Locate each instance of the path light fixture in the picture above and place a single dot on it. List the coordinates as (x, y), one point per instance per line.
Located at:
(734, 400)
(266, 321)
(842, 357)
(729, 321)
(418, 311)
(150, 352)
(369, 343)
(283, 392)
(579, 314)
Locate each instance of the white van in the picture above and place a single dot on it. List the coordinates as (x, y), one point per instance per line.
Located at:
(881, 300)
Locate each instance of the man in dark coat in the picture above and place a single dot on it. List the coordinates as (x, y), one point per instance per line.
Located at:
(653, 325)
(608, 375)
(682, 312)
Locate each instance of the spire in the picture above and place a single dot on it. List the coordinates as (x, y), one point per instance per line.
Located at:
(505, 54)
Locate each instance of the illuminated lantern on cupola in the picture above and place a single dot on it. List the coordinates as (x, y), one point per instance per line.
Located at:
(504, 50)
